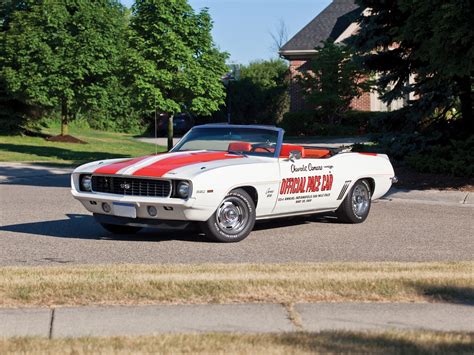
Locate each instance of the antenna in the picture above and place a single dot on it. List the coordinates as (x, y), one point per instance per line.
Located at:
(156, 130)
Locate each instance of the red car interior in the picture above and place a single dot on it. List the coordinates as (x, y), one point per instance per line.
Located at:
(240, 147)
(306, 152)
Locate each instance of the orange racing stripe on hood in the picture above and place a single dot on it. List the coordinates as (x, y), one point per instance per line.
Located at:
(115, 167)
(165, 165)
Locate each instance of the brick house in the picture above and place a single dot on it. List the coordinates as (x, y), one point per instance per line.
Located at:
(336, 22)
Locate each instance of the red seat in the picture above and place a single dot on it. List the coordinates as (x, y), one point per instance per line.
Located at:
(287, 148)
(240, 147)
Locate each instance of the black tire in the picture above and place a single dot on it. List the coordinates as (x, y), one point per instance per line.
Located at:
(237, 212)
(352, 211)
(119, 229)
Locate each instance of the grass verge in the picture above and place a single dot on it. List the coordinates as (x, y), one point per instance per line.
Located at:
(236, 283)
(393, 342)
(101, 145)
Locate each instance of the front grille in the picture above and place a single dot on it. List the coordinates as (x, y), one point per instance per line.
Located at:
(131, 186)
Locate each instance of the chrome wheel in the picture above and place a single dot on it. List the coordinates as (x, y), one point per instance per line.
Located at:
(232, 215)
(360, 200)
(233, 220)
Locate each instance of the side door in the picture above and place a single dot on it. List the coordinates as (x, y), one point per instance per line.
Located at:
(306, 184)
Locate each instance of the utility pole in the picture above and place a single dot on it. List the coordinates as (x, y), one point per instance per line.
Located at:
(170, 131)
(232, 75)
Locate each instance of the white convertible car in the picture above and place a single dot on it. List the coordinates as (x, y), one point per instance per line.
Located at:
(225, 177)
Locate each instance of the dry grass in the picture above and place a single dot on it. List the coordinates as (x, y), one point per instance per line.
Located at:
(393, 342)
(235, 283)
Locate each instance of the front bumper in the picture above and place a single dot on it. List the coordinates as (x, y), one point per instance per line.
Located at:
(169, 209)
(141, 222)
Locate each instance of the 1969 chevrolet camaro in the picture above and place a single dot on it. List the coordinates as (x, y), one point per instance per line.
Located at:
(225, 177)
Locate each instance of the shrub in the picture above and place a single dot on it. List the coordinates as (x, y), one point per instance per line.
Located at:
(455, 159)
(367, 121)
(313, 123)
(298, 123)
(399, 145)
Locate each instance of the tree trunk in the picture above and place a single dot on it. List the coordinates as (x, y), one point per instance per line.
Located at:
(170, 132)
(465, 96)
(64, 118)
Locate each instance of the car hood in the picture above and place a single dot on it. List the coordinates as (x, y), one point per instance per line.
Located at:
(170, 164)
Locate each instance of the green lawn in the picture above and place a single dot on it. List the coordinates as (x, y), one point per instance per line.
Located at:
(101, 145)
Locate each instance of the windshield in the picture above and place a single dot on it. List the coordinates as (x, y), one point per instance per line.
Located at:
(247, 141)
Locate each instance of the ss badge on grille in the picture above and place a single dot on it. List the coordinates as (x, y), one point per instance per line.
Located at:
(125, 186)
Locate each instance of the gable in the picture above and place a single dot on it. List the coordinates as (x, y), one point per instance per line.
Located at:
(331, 23)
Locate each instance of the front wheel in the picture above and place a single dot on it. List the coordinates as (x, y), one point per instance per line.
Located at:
(119, 229)
(356, 206)
(233, 220)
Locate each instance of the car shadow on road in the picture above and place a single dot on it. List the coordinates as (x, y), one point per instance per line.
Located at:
(78, 226)
(81, 226)
(295, 221)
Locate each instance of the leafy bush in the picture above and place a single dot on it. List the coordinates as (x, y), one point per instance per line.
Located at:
(426, 154)
(322, 129)
(313, 123)
(402, 120)
(298, 123)
(399, 145)
(368, 121)
(259, 96)
(455, 159)
(332, 80)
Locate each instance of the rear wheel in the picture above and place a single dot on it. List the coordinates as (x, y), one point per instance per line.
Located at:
(356, 206)
(233, 220)
(119, 229)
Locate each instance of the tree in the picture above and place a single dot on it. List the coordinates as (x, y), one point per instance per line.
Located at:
(260, 96)
(13, 112)
(429, 41)
(279, 35)
(174, 63)
(332, 81)
(62, 53)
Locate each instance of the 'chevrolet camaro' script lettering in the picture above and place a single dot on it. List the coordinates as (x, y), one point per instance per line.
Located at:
(308, 167)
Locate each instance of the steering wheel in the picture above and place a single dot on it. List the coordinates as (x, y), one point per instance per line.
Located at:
(265, 146)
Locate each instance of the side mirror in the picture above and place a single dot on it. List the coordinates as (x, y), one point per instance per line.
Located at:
(295, 154)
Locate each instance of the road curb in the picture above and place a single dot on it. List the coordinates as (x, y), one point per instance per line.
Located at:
(453, 198)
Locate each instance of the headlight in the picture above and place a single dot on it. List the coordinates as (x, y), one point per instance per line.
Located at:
(86, 183)
(183, 189)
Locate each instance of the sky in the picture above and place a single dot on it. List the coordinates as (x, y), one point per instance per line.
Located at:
(242, 27)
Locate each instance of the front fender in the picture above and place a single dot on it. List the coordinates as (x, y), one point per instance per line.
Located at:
(211, 187)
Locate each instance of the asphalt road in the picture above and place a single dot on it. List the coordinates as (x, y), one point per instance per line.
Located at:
(41, 224)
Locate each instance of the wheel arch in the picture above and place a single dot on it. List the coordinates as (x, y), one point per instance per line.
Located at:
(252, 191)
(371, 182)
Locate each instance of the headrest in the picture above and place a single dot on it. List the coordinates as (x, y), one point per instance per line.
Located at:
(287, 148)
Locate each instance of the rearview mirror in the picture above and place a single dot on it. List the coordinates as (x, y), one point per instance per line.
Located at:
(295, 154)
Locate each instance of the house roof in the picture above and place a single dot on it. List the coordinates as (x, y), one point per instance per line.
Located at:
(329, 24)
